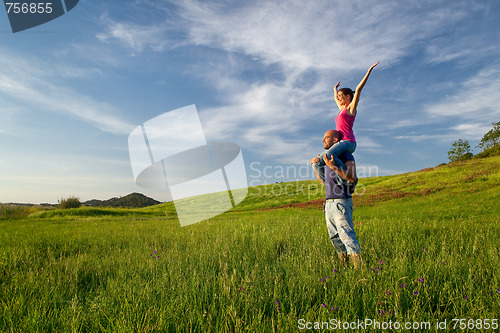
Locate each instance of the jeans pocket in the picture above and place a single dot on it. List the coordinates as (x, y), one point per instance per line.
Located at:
(340, 208)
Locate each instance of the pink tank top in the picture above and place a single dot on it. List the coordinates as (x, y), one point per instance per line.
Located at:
(343, 124)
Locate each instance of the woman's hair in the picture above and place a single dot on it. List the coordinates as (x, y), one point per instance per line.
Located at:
(347, 91)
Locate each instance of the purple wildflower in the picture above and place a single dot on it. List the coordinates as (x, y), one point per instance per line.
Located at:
(403, 285)
(415, 293)
(381, 262)
(335, 271)
(277, 302)
(321, 280)
(465, 297)
(420, 280)
(327, 277)
(388, 292)
(323, 305)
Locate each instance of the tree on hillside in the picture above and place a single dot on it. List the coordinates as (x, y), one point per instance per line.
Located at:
(460, 151)
(492, 138)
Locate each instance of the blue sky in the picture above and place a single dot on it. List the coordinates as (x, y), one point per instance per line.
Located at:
(261, 75)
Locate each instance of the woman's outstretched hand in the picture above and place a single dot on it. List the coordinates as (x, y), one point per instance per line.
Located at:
(374, 65)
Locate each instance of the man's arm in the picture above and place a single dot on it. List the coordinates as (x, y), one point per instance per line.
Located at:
(348, 174)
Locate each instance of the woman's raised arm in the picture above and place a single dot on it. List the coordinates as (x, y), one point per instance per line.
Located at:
(355, 100)
(335, 91)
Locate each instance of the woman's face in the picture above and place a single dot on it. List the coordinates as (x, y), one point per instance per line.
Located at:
(343, 99)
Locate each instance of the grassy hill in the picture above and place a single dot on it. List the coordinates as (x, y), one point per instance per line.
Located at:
(132, 200)
(430, 242)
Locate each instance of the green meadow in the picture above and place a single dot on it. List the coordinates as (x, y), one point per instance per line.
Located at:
(430, 242)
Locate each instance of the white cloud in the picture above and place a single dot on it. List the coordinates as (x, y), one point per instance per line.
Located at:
(328, 38)
(73, 72)
(340, 35)
(295, 37)
(34, 83)
(134, 36)
(477, 99)
(266, 118)
(441, 138)
(472, 130)
(367, 144)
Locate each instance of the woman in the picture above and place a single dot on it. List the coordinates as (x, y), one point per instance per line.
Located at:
(347, 102)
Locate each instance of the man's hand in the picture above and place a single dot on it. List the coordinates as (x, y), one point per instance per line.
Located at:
(349, 174)
(314, 160)
(330, 163)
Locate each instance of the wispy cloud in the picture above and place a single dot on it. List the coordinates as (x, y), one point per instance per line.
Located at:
(369, 145)
(476, 99)
(419, 138)
(73, 72)
(33, 83)
(324, 37)
(472, 130)
(134, 36)
(296, 38)
(340, 35)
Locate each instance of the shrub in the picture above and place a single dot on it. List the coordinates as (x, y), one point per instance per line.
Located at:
(71, 202)
(460, 151)
(492, 138)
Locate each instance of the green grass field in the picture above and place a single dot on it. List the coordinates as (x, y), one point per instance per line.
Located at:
(430, 242)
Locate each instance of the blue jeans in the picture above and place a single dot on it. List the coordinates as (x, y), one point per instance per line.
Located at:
(338, 215)
(336, 150)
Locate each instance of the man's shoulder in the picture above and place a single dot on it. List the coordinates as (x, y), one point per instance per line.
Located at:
(347, 156)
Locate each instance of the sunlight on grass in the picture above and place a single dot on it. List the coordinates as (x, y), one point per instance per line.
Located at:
(430, 244)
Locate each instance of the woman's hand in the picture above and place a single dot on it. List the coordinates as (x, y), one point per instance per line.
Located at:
(373, 66)
(355, 99)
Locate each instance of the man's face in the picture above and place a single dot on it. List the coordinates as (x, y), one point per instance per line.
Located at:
(328, 140)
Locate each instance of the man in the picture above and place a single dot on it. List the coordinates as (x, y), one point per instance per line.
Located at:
(338, 205)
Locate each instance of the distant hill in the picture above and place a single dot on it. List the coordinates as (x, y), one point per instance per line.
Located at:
(133, 200)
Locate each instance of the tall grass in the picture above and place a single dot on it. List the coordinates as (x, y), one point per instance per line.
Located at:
(427, 257)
